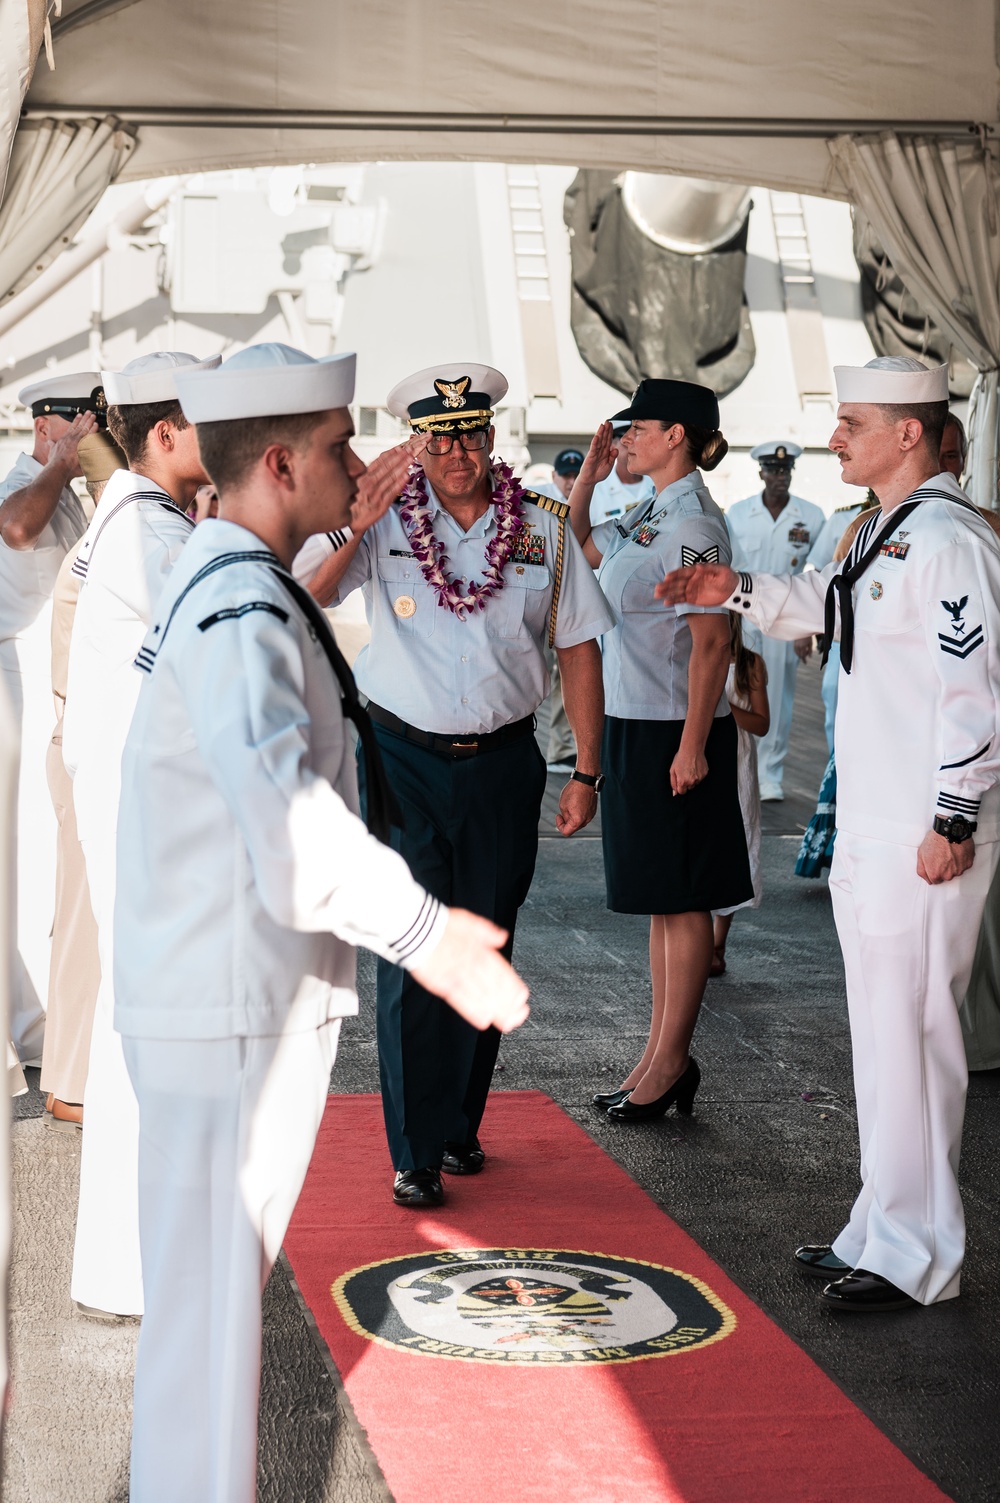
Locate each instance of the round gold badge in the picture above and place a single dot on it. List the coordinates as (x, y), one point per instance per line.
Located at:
(405, 605)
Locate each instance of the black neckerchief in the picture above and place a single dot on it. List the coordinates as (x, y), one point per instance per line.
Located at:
(383, 811)
(864, 550)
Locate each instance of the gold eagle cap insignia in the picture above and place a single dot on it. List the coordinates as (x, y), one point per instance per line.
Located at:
(452, 393)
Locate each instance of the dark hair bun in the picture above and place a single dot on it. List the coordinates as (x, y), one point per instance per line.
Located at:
(713, 451)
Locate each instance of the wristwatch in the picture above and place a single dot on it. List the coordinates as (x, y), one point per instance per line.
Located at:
(956, 828)
(597, 783)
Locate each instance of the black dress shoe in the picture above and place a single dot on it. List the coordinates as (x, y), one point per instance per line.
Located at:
(821, 1262)
(865, 1292)
(463, 1158)
(418, 1188)
(681, 1094)
(611, 1098)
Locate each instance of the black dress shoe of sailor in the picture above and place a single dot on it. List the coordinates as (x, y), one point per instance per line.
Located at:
(463, 1158)
(821, 1262)
(611, 1098)
(418, 1189)
(866, 1293)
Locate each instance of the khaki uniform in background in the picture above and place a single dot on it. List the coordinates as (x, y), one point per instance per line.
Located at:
(74, 970)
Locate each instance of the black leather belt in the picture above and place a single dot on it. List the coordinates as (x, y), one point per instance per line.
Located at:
(453, 746)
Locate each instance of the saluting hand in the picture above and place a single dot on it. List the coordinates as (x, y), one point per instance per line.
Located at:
(382, 482)
(64, 451)
(465, 969)
(601, 456)
(699, 584)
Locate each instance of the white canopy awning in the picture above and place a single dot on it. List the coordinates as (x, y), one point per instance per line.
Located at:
(785, 94)
(743, 93)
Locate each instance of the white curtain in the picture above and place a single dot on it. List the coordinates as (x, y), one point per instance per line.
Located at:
(58, 171)
(934, 206)
(22, 24)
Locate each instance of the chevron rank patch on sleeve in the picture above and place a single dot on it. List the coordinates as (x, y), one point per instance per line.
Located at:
(691, 556)
(961, 639)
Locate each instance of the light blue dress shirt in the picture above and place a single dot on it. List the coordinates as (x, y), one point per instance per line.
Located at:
(647, 653)
(467, 677)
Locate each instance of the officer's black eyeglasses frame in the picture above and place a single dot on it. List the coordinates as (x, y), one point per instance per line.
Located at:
(472, 441)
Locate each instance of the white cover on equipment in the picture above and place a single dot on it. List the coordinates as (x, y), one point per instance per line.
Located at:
(867, 60)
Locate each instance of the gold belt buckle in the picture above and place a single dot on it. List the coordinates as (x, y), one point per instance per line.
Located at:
(464, 747)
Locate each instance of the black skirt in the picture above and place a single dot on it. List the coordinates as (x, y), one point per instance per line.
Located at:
(667, 854)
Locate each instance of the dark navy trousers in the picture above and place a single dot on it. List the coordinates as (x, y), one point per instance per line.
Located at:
(470, 837)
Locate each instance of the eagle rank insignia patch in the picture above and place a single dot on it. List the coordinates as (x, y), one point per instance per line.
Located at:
(530, 1305)
(452, 393)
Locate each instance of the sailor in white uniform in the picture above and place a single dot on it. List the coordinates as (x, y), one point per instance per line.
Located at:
(917, 606)
(40, 520)
(134, 538)
(774, 531)
(246, 879)
(823, 552)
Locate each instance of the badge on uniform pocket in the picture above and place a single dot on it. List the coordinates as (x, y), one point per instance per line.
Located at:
(644, 535)
(799, 535)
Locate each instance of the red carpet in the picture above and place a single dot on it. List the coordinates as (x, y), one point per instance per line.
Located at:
(589, 1351)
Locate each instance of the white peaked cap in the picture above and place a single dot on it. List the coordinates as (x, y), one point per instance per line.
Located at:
(150, 378)
(778, 448)
(267, 380)
(76, 388)
(427, 384)
(892, 379)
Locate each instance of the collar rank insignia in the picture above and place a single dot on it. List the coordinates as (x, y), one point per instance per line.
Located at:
(644, 535)
(452, 393)
(690, 556)
(963, 639)
(892, 549)
(529, 547)
(799, 534)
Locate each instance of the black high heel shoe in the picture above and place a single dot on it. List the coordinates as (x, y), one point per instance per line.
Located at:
(611, 1098)
(681, 1094)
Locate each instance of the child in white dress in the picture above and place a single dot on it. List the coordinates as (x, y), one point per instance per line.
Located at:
(746, 690)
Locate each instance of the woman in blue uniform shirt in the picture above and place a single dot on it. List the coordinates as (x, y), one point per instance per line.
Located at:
(674, 845)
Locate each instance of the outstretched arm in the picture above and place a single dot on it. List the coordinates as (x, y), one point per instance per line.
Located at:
(786, 606)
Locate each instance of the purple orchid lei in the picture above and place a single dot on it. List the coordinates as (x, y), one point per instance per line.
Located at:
(428, 549)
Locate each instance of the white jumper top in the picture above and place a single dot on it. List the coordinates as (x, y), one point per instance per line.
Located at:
(245, 875)
(918, 718)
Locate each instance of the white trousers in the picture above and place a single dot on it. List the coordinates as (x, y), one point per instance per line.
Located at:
(782, 670)
(227, 1132)
(908, 950)
(107, 1269)
(27, 673)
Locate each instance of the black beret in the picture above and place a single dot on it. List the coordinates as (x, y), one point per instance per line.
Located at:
(672, 402)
